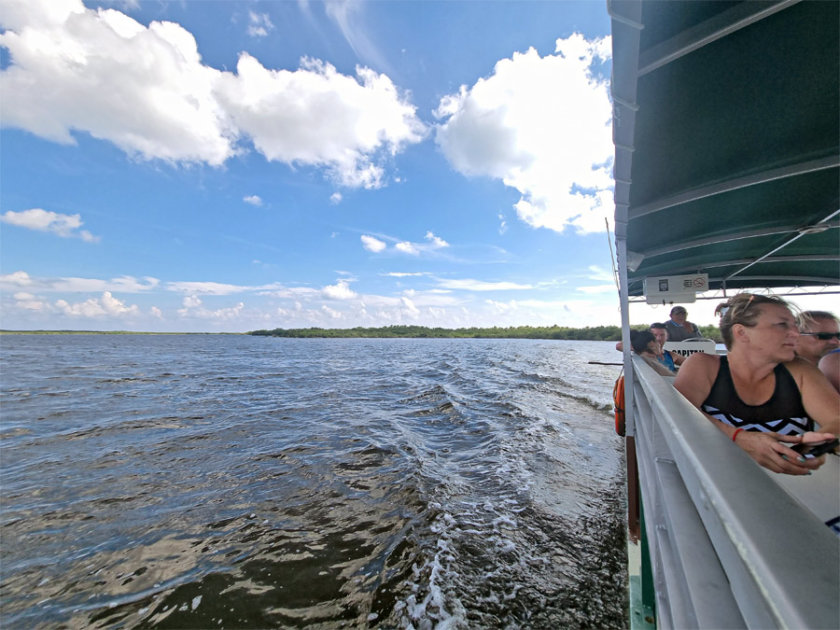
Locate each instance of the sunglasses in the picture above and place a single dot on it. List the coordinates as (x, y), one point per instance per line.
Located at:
(823, 336)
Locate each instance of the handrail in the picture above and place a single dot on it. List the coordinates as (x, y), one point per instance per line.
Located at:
(729, 548)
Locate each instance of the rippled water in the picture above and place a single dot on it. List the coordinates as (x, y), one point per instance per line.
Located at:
(197, 481)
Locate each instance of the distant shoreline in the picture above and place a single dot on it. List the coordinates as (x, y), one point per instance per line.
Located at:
(594, 333)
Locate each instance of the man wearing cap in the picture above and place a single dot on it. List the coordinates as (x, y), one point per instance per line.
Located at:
(819, 339)
(678, 328)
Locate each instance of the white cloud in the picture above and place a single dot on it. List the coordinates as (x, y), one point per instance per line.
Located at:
(335, 198)
(142, 88)
(407, 248)
(543, 126)
(319, 117)
(339, 291)
(29, 302)
(16, 279)
(122, 284)
(105, 306)
(254, 200)
(436, 241)
(191, 301)
(331, 312)
(259, 24)
(409, 306)
(64, 225)
(194, 308)
(206, 288)
(481, 285)
(146, 90)
(372, 244)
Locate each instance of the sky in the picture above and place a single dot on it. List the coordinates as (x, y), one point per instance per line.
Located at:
(226, 166)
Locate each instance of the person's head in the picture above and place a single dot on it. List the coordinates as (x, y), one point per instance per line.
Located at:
(643, 341)
(660, 333)
(818, 335)
(760, 321)
(679, 314)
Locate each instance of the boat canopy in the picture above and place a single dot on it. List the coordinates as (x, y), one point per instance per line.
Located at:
(727, 141)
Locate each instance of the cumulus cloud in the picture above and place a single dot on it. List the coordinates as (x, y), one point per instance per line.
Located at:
(542, 125)
(339, 291)
(29, 302)
(372, 244)
(142, 88)
(254, 200)
(64, 225)
(16, 279)
(335, 198)
(105, 306)
(146, 90)
(319, 117)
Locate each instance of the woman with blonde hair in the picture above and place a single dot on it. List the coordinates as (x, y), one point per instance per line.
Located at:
(760, 395)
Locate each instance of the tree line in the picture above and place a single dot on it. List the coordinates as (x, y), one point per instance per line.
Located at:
(589, 333)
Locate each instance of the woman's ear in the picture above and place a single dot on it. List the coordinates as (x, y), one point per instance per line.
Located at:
(739, 332)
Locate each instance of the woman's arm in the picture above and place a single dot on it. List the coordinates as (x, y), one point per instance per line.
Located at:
(695, 380)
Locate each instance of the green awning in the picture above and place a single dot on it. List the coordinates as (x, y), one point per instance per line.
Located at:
(727, 135)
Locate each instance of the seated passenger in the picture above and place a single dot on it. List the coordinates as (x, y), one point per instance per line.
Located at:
(830, 366)
(668, 359)
(679, 329)
(760, 395)
(819, 334)
(644, 344)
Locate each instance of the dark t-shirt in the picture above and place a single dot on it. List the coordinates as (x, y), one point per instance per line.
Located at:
(678, 333)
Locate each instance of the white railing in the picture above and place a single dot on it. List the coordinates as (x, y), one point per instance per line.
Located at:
(728, 547)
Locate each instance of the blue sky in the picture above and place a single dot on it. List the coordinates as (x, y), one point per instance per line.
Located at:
(229, 166)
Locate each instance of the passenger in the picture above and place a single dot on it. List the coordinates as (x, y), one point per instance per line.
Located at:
(830, 366)
(819, 334)
(759, 395)
(668, 359)
(645, 345)
(678, 328)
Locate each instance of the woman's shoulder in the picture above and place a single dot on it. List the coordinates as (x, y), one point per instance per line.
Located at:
(704, 359)
(700, 364)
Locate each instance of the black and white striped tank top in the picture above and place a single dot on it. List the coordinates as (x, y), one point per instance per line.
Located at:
(783, 413)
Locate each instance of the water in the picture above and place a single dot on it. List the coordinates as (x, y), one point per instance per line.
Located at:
(197, 481)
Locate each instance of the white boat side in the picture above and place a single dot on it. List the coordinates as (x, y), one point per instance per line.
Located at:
(729, 548)
(727, 545)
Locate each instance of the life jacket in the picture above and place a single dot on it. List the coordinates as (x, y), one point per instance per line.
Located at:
(618, 401)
